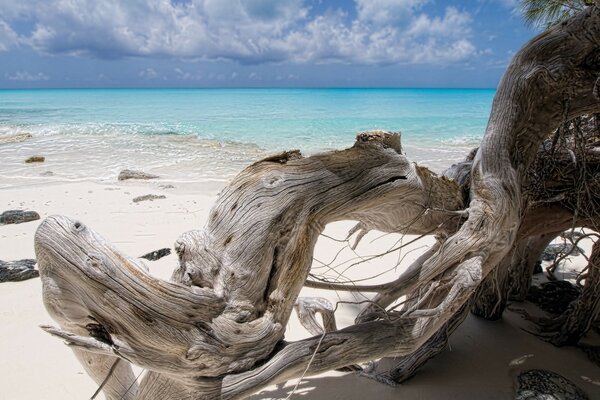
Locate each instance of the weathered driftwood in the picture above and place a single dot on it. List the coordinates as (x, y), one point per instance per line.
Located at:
(577, 319)
(216, 330)
(393, 371)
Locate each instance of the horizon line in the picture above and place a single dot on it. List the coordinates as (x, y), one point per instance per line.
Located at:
(249, 87)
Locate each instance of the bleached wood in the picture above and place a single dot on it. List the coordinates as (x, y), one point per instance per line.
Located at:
(216, 330)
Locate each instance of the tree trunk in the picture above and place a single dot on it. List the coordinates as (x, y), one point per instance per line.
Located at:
(216, 330)
(491, 297)
(526, 256)
(393, 371)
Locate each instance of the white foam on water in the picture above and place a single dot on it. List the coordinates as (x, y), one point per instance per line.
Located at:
(100, 155)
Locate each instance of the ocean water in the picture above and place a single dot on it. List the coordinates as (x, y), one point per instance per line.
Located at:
(190, 135)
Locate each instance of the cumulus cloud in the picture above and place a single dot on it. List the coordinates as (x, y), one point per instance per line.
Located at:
(247, 31)
(27, 76)
(8, 37)
(186, 76)
(387, 11)
(148, 73)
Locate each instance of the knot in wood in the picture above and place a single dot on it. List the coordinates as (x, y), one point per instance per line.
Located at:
(385, 138)
(77, 227)
(94, 260)
(99, 332)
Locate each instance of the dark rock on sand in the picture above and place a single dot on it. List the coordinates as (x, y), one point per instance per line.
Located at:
(17, 217)
(156, 255)
(559, 249)
(35, 159)
(554, 296)
(15, 271)
(150, 197)
(131, 174)
(540, 384)
(167, 187)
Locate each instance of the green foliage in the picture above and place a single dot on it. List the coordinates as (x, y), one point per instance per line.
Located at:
(545, 13)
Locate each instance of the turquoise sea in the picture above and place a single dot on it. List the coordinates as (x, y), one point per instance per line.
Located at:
(210, 134)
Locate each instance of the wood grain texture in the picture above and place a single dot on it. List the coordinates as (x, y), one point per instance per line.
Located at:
(216, 330)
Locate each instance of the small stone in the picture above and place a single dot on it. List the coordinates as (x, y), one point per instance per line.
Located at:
(131, 174)
(150, 197)
(538, 384)
(15, 271)
(17, 217)
(35, 159)
(167, 187)
(156, 255)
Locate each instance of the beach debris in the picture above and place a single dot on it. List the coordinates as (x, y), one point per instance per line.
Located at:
(131, 174)
(150, 197)
(590, 380)
(157, 254)
(544, 384)
(519, 360)
(17, 217)
(556, 250)
(14, 138)
(16, 271)
(554, 296)
(35, 159)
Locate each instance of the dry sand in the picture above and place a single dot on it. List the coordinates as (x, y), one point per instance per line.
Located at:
(37, 366)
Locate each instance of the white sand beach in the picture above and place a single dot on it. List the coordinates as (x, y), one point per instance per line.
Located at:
(38, 366)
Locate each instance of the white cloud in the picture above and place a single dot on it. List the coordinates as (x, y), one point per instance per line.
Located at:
(453, 24)
(248, 31)
(8, 37)
(422, 40)
(387, 11)
(186, 76)
(148, 73)
(27, 76)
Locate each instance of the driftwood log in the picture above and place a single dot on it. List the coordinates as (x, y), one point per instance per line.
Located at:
(215, 331)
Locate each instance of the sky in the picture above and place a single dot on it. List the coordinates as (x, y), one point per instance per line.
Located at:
(257, 43)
